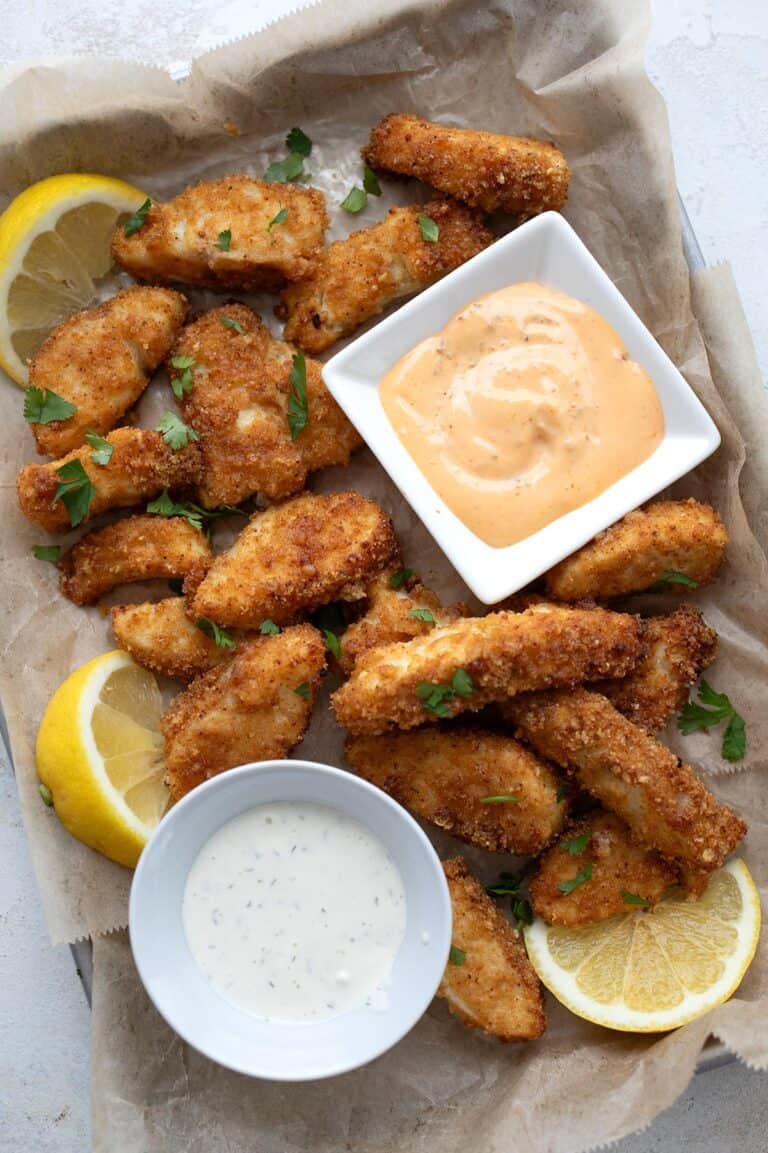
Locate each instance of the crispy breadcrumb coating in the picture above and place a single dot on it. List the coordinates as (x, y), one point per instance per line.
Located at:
(662, 800)
(358, 277)
(446, 776)
(141, 466)
(137, 548)
(160, 636)
(186, 239)
(495, 987)
(487, 170)
(619, 866)
(101, 360)
(633, 554)
(247, 709)
(238, 405)
(294, 557)
(503, 653)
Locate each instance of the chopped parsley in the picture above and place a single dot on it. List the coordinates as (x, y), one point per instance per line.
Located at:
(583, 875)
(224, 242)
(303, 690)
(371, 182)
(332, 642)
(212, 630)
(422, 615)
(577, 845)
(49, 552)
(279, 218)
(456, 955)
(166, 506)
(268, 628)
(508, 885)
(715, 708)
(461, 683)
(182, 384)
(286, 170)
(429, 230)
(134, 223)
(176, 433)
(500, 799)
(230, 322)
(399, 578)
(102, 449)
(437, 698)
(673, 577)
(41, 406)
(633, 899)
(47, 795)
(522, 911)
(355, 200)
(298, 142)
(75, 490)
(298, 411)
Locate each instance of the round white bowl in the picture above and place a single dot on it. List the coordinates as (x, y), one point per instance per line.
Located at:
(275, 1050)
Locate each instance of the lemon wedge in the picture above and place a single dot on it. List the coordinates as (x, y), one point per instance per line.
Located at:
(648, 971)
(100, 753)
(54, 246)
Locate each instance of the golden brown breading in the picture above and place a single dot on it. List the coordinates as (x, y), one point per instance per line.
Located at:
(446, 776)
(138, 548)
(247, 709)
(633, 554)
(661, 799)
(389, 617)
(503, 653)
(357, 278)
(160, 636)
(618, 866)
(101, 360)
(494, 988)
(680, 646)
(141, 466)
(485, 169)
(182, 239)
(239, 407)
(294, 557)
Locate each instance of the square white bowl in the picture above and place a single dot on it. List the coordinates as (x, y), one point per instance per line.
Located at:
(547, 250)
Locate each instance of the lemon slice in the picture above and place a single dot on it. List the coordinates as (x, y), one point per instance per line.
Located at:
(54, 246)
(647, 971)
(100, 753)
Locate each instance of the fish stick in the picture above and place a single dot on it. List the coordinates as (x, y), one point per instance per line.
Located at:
(662, 800)
(408, 684)
(490, 984)
(254, 707)
(224, 234)
(455, 778)
(160, 636)
(137, 548)
(680, 536)
(357, 278)
(619, 869)
(101, 360)
(487, 170)
(239, 405)
(141, 466)
(295, 557)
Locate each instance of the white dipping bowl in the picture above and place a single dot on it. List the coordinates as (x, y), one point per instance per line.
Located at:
(182, 994)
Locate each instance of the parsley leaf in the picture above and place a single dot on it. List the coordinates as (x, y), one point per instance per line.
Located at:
(422, 615)
(371, 182)
(429, 230)
(41, 406)
(268, 628)
(399, 578)
(714, 710)
(436, 698)
(49, 552)
(139, 218)
(576, 845)
(355, 200)
(176, 433)
(212, 630)
(735, 739)
(298, 412)
(224, 242)
(633, 899)
(508, 884)
(286, 170)
(522, 911)
(461, 683)
(501, 799)
(102, 449)
(457, 956)
(298, 142)
(166, 506)
(279, 218)
(75, 490)
(182, 384)
(673, 577)
(46, 794)
(583, 875)
(303, 690)
(230, 322)
(332, 642)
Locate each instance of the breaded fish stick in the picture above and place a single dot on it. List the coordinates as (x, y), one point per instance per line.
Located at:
(101, 360)
(238, 405)
(357, 278)
(404, 685)
(255, 707)
(456, 779)
(160, 636)
(141, 466)
(680, 646)
(138, 548)
(223, 234)
(494, 987)
(662, 800)
(619, 869)
(680, 536)
(485, 169)
(295, 557)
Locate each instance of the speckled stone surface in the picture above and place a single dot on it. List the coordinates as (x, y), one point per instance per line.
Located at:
(710, 60)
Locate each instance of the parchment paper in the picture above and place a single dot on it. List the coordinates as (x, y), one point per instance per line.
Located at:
(570, 70)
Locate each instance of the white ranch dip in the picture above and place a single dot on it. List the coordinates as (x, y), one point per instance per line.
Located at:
(295, 911)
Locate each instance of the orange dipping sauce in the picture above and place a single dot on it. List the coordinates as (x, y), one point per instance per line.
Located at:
(523, 408)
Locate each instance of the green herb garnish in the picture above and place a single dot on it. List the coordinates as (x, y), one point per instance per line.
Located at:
(176, 433)
(49, 552)
(224, 242)
(303, 690)
(522, 911)
(673, 577)
(355, 200)
(166, 506)
(633, 899)
(399, 578)
(139, 218)
(577, 845)
(457, 956)
(461, 683)
(583, 875)
(268, 628)
(75, 490)
(230, 322)
(371, 182)
(102, 449)
(429, 230)
(436, 698)
(298, 142)
(41, 406)
(286, 170)
(279, 218)
(298, 412)
(212, 630)
(501, 799)
(715, 708)
(332, 642)
(422, 615)
(182, 384)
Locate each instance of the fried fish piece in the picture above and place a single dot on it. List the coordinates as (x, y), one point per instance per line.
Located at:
(223, 234)
(358, 277)
(487, 170)
(137, 548)
(141, 466)
(680, 646)
(390, 616)
(239, 404)
(254, 707)
(662, 800)
(681, 536)
(503, 654)
(295, 557)
(456, 778)
(101, 360)
(493, 986)
(619, 869)
(160, 636)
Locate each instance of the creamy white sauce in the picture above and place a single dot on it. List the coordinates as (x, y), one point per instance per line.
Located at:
(295, 912)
